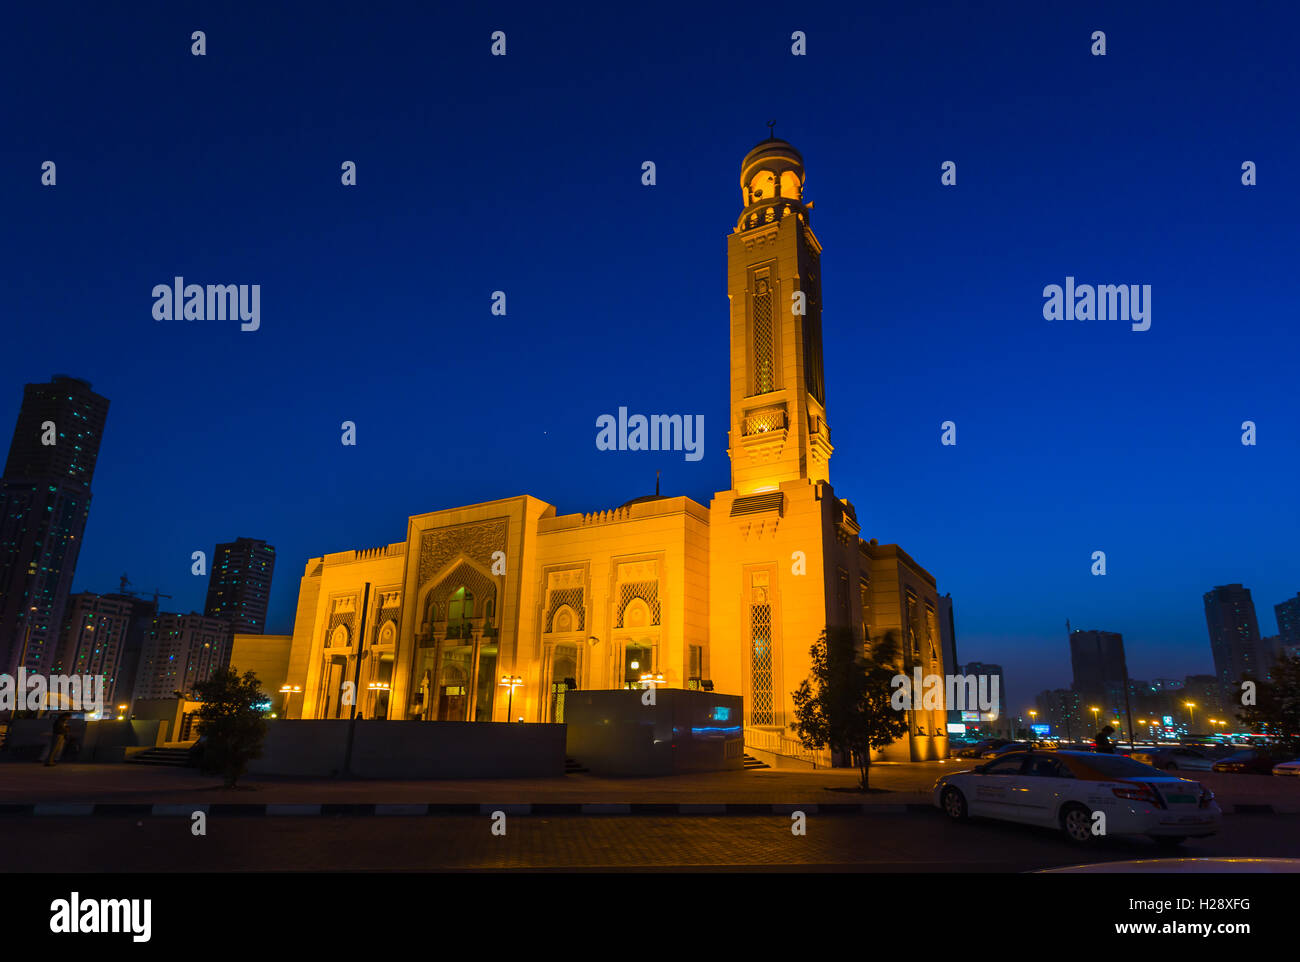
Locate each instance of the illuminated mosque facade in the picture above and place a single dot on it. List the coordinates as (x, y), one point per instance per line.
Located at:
(729, 595)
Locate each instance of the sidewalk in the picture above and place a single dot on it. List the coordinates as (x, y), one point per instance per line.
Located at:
(138, 788)
(28, 783)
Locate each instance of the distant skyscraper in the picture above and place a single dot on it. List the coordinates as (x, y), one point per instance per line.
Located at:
(1234, 638)
(990, 671)
(1063, 709)
(1288, 624)
(239, 587)
(44, 503)
(1097, 658)
(180, 652)
(1206, 695)
(948, 645)
(103, 635)
(948, 634)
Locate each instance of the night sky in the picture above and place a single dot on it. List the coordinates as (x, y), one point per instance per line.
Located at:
(523, 174)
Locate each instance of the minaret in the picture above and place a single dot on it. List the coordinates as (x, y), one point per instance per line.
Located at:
(778, 401)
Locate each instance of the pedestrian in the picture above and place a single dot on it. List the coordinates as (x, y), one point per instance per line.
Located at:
(58, 736)
(1104, 743)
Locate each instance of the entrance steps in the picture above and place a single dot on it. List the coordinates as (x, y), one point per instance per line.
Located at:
(174, 757)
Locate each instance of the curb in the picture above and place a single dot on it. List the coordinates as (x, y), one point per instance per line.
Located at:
(177, 810)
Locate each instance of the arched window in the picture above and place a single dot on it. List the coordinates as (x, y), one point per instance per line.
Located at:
(764, 366)
(459, 611)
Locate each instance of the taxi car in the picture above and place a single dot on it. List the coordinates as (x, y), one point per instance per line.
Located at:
(1063, 789)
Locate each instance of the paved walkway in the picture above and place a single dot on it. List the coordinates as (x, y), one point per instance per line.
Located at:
(29, 783)
(900, 783)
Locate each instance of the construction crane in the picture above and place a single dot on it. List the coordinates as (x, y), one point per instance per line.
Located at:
(157, 592)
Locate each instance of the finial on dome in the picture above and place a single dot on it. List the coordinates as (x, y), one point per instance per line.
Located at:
(771, 130)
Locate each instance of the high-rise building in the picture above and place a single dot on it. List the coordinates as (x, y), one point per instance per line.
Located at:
(1100, 670)
(239, 586)
(991, 672)
(104, 635)
(1288, 624)
(44, 503)
(1064, 711)
(1201, 699)
(182, 651)
(948, 643)
(1234, 638)
(948, 632)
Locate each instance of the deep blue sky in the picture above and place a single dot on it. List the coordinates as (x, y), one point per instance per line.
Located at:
(522, 174)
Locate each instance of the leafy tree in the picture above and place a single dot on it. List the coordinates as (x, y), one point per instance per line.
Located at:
(1276, 711)
(232, 720)
(847, 705)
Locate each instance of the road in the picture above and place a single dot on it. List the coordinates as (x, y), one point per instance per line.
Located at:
(912, 842)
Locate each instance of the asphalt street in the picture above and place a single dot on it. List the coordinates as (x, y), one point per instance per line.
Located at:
(911, 842)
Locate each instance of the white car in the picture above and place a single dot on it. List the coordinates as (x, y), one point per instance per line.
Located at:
(1071, 790)
(1287, 768)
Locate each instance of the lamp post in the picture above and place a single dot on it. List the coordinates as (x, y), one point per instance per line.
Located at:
(22, 662)
(288, 692)
(375, 687)
(512, 682)
(1191, 706)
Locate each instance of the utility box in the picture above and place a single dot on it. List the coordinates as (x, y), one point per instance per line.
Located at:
(618, 732)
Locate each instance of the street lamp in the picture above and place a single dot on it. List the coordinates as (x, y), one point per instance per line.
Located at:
(1191, 705)
(375, 687)
(288, 691)
(22, 660)
(512, 682)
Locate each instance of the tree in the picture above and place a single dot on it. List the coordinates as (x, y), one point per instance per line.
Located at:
(232, 720)
(847, 705)
(1276, 711)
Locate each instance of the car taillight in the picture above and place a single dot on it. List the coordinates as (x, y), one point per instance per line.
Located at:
(1207, 796)
(1139, 793)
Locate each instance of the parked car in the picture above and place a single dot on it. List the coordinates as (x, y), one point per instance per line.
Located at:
(1287, 768)
(1006, 749)
(1065, 790)
(1173, 758)
(1196, 866)
(979, 748)
(1253, 761)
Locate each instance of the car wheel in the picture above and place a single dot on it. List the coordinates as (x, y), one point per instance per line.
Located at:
(1076, 821)
(1169, 841)
(954, 804)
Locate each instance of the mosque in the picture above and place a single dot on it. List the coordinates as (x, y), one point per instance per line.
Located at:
(493, 611)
